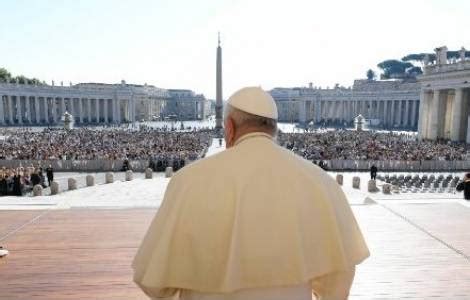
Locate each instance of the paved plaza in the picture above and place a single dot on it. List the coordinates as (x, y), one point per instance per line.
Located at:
(81, 243)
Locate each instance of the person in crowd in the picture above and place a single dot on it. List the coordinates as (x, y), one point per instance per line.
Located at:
(125, 165)
(41, 175)
(152, 164)
(50, 175)
(373, 172)
(465, 186)
(3, 183)
(17, 184)
(35, 178)
(267, 224)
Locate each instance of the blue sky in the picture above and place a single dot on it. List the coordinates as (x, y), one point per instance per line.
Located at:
(171, 44)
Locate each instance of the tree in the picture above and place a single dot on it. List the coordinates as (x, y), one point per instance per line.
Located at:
(456, 54)
(5, 76)
(370, 74)
(419, 57)
(393, 68)
(21, 79)
(414, 71)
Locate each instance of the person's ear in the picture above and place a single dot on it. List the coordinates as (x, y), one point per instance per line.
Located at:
(229, 132)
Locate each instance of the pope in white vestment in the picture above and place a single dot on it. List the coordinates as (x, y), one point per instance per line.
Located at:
(255, 221)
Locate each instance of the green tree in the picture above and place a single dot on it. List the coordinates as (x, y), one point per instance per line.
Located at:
(419, 57)
(21, 79)
(5, 76)
(370, 75)
(393, 68)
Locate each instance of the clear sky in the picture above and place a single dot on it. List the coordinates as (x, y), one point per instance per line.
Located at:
(172, 43)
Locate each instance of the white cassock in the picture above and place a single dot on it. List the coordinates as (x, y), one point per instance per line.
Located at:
(252, 222)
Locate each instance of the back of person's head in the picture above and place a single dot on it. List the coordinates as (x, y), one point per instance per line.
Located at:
(244, 120)
(248, 110)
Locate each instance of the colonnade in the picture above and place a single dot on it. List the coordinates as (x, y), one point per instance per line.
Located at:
(444, 114)
(392, 113)
(40, 110)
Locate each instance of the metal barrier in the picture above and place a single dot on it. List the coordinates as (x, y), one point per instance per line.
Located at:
(334, 165)
(394, 165)
(79, 165)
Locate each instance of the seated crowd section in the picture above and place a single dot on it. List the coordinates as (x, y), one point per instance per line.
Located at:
(370, 145)
(172, 148)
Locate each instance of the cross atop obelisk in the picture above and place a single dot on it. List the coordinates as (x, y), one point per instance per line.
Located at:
(218, 98)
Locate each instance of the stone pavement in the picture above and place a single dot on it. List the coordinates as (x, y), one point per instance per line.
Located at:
(418, 251)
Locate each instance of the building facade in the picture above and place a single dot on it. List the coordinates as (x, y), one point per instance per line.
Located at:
(187, 105)
(385, 104)
(92, 103)
(445, 98)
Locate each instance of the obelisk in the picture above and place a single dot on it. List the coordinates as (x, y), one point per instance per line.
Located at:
(218, 95)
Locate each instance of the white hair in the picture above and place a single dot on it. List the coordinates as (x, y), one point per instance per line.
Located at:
(242, 118)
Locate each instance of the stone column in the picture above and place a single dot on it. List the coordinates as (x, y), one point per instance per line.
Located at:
(131, 110)
(327, 110)
(423, 115)
(72, 108)
(377, 109)
(62, 106)
(113, 110)
(106, 112)
(10, 109)
(54, 110)
(118, 111)
(97, 112)
(456, 121)
(392, 114)
(27, 109)
(400, 113)
(89, 109)
(46, 109)
(32, 106)
(2, 117)
(316, 106)
(414, 105)
(19, 112)
(385, 118)
(433, 123)
(302, 112)
(344, 108)
(80, 110)
(441, 117)
(467, 139)
(37, 110)
(407, 113)
(334, 110)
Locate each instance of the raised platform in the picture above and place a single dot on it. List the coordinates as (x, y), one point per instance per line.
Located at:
(419, 251)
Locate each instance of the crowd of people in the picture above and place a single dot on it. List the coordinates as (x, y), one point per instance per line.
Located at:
(17, 181)
(110, 144)
(163, 148)
(369, 145)
(160, 147)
